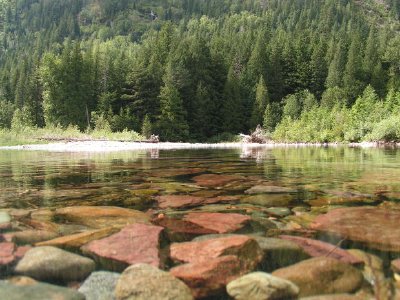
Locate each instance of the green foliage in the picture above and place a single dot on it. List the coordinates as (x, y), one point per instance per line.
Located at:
(146, 127)
(21, 119)
(387, 130)
(195, 68)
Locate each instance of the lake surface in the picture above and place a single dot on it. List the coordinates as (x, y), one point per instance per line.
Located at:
(282, 190)
(43, 179)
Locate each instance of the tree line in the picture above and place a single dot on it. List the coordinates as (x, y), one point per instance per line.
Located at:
(306, 70)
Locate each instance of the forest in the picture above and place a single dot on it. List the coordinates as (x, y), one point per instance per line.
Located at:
(190, 70)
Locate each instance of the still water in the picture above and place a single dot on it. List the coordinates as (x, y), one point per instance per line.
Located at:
(349, 197)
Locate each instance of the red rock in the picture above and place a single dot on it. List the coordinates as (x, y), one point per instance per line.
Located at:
(316, 248)
(214, 180)
(221, 199)
(218, 222)
(7, 253)
(181, 226)
(10, 253)
(178, 172)
(246, 248)
(178, 201)
(376, 227)
(136, 243)
(396, 265)
(209, 277)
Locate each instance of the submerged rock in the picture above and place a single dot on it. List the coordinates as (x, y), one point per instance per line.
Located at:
(259, 285)
(179, 201)
(145, 282)
(100, 286)
(136, 243)
(53, 264)
(377, 228)
(75, 241)
(268, 200)
(37, 291)
(101, 216)
(32, 236)
(10, 254)
(218, 222)
(322, 275)
(209, 277)
(269, 189)
(5, 220)
(244, 247)
(215, 180)
(317, 248)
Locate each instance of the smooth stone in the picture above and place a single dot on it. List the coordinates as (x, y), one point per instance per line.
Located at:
(75, 241)
(259, 285)
(135, 243)
(53, 264)
(377, 228)
(178, 201)
(278, 211)
(19, 213)
(145, 282)
(32, 236)
(42, 214)
(209, 277)
(215, 180)
(5, 220)
(269, 189)
(101, 216)
(100, 286)
(279, 253)
(322, 275)
(21, 280)
(37, 291)
(244, 247)
(316, 248)
(218, 222)
(144, 192)
(268, 200)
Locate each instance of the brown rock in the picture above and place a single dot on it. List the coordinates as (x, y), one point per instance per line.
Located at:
(316, 248)
(10, 254)
(322, 275)
(77, 240)
(21, 280)
(209, 277)
(32, 236)
(246, 248)
(101, 216)
(136, 243)
(334, 297)
(178, 201)
(214, 180)
(181, 226)
(218, 222)
(221, 199)
(377, 228)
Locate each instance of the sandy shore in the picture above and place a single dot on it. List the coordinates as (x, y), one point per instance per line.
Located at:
(110, 146)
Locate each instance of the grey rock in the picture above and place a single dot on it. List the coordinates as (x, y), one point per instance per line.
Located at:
(100, 286)
(262, 286)
(37, 291)
(145, 282)
(53, 264)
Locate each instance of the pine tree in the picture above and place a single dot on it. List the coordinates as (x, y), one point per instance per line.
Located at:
(172, 124)
(260, 103)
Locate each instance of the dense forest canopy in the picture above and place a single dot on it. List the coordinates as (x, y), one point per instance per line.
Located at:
(308, 70)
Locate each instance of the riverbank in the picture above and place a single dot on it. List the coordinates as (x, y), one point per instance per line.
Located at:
(110, 146)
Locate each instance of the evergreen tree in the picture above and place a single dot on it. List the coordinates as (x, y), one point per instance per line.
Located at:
(261, 102)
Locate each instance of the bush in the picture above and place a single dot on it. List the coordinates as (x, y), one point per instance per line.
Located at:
(387, 130)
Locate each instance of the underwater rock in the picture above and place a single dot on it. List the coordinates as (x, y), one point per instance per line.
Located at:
(259, 285)
(135, 243)
(145, 282)
(179, 201)
(218, 222)
(100, 286)
(322, 275)
(215, 180)
(32, 236)
(53, 264)
(269, 189)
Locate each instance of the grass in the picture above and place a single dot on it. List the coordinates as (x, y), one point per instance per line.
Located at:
(29, 135)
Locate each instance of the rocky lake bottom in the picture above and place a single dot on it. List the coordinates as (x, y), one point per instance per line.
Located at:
(250, 223)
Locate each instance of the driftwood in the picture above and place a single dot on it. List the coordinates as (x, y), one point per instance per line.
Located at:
(257, 136)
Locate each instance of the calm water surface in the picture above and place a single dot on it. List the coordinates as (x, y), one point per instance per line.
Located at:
(321, 176)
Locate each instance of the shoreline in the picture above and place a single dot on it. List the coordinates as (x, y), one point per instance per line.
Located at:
(114, 146)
